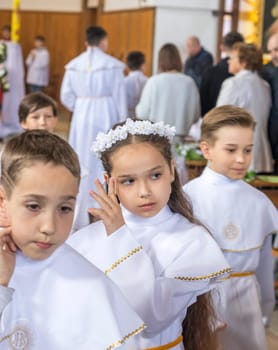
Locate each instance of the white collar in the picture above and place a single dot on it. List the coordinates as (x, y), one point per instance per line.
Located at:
(132, 219)
(216, 178)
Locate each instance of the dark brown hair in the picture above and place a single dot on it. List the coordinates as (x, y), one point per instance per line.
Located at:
(198, 334)
(135, 60)
(34, 146)
(169, 58)
(222, 116)
(249, 54)
(34, 101)
(95, 34)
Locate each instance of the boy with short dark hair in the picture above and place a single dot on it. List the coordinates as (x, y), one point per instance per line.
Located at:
(38, 111)
(135, 80)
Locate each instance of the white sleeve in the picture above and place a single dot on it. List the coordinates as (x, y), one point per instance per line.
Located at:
(41, 60)
(196, 103)
(67, 94)
(119, 95)
(159, 294)
(5, 297)
(143, 109)
(29, 59)
(265, 278)
(227, 94)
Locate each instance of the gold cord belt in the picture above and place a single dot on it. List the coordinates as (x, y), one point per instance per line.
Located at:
(169, 345)
(238, 274)
(242, 274)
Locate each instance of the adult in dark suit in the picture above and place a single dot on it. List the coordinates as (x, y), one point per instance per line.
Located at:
(270, 74)
(214, 76)
(198, 61)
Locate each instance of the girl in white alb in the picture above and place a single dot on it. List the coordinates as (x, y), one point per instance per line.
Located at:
(150, 245)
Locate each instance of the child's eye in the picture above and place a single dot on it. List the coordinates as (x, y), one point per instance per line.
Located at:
(49, 116)
(33, 207)
(156, 176)
(127, 181)
(65, 209)
(230, 150)
(35, 117)
(249, 150)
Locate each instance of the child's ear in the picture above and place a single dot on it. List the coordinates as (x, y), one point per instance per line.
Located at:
(2, 197)
(106, 178)
(204, 146)
(4, 221)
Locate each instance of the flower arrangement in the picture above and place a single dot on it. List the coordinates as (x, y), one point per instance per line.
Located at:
(190, 151)
(4, 84)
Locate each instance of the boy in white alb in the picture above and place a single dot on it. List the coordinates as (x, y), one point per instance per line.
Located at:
(135, 80)
(51, 298)
(37, 62)
(93, 89)
(242, 220)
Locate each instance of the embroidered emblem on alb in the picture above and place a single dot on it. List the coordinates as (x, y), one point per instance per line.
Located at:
(134, 127)
(20, 338)
(231, 231)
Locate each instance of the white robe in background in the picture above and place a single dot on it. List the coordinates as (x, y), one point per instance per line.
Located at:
(241, 219)
(9, 123)
(65, 303)
(248, 90)
(135, 82)
(172, 98)
(161, 265)
(38, 67)
(93, 88)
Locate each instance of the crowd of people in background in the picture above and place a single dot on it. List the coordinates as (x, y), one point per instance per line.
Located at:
(116, 188)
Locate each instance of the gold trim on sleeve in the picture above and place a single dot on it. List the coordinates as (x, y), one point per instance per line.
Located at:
(240, 250)
(126, 337)
(122, 259)
(205, 277)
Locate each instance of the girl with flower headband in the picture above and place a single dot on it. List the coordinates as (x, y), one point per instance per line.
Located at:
(148, 241)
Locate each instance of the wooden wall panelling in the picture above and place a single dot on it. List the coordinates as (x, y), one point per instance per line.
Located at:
(65, 38)
(5, 18)
(129, 30)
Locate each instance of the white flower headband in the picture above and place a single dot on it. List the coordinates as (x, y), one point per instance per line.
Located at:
(133, 127)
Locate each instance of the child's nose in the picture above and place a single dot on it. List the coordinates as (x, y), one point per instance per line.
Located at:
(48, 226)
(143, 190)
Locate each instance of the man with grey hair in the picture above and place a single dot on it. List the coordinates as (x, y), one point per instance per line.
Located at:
(198, 61)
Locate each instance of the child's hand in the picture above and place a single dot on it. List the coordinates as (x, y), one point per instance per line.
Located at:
(4, 222)
(7, 256)
(110, 211)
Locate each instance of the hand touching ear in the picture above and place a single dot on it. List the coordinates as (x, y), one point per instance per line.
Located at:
(7, 255)
(110, 211)
(4, 221)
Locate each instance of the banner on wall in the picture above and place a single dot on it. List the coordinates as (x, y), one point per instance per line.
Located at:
(15, 27)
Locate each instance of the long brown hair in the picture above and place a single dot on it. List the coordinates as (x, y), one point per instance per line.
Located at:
(198, 330)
